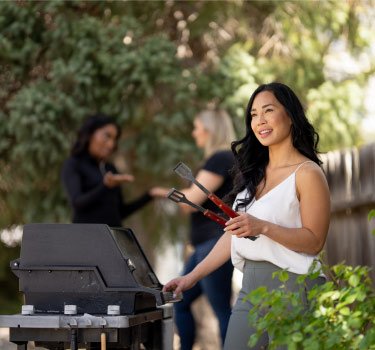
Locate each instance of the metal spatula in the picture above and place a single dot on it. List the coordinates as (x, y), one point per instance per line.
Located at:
(184, 171)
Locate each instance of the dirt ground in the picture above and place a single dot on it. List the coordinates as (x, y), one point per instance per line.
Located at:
(4, 344)
(208, 337)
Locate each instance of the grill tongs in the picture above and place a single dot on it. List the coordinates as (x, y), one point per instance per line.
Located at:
(184, 171)
(179, 197)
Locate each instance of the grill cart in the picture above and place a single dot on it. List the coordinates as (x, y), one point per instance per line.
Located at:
(88, 286)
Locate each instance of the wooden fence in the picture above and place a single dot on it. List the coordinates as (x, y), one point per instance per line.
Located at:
(351, 178)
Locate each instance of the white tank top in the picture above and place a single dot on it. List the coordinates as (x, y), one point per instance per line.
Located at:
(280, 206)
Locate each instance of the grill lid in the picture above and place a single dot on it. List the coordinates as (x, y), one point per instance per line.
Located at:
(88, 265)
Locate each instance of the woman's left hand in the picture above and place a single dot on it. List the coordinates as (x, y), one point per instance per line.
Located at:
(112, 180)
(244, 225)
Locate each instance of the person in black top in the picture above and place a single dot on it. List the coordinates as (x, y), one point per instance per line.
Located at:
(92, 184)
(213, 131)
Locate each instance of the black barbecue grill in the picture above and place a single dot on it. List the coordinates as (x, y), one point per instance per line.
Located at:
(83, 283)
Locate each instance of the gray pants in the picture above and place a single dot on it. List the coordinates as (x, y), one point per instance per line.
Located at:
(257, 274)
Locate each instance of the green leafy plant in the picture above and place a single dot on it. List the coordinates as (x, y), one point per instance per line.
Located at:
(371, 216)
(340, 313)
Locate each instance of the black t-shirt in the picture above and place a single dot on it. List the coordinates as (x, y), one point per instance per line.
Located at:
(203, 228)
(90, 199)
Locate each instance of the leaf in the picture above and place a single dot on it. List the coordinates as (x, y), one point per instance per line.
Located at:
(335, 295)
(301, 279)
(345, 311)
(253, 340)
(297, 337)
(283, 276)
(371, 215)
(354, 280)
(256, 296)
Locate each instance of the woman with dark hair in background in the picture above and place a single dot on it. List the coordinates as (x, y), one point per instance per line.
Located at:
(92, 184)
(281, 196)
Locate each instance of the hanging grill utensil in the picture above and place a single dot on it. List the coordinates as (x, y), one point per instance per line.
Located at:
(184, 171)
(179, 197)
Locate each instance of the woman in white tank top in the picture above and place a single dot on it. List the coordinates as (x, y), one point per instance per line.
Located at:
(282, 197)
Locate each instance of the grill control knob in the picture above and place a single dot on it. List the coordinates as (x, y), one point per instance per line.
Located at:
(70, 310)
(113, 310)
(28, 309)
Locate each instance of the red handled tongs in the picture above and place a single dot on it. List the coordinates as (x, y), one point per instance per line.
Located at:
(184, 171)
(179, 197)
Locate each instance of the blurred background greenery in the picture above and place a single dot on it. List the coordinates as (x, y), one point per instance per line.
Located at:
(152, 65)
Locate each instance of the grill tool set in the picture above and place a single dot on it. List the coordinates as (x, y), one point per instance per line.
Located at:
(184, 171)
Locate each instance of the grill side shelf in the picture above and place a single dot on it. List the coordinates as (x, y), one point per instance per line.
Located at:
(125, 321)
(78, 321)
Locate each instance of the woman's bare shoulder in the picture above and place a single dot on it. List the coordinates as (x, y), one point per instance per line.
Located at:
(311, 176)
(310, 168)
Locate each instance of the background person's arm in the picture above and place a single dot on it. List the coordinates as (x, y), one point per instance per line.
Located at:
(209, 180)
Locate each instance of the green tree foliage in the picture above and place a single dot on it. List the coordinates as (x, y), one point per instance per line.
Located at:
(152, 65)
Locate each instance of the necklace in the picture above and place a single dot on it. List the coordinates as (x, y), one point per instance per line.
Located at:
(285, 166)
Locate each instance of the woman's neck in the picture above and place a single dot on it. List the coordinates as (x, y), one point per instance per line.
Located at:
(208, 152)
(95, 157)
(283, 155)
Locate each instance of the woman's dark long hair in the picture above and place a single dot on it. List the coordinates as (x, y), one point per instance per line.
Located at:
(251, 157)
(90, 125)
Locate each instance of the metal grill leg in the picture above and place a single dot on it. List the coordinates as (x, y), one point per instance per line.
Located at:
(135, 336)
(73, 344)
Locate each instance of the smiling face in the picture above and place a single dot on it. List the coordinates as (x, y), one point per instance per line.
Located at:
(269, 120)
(103, 142)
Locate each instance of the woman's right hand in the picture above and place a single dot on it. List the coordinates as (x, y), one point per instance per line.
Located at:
(112, 180)
(179, 284)
(159, 192)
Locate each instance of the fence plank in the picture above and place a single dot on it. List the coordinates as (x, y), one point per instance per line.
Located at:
(351, 178)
